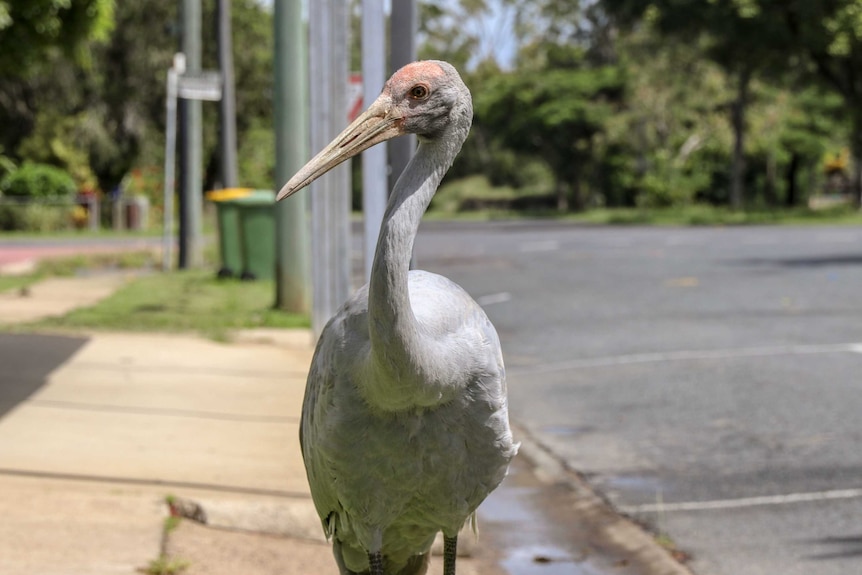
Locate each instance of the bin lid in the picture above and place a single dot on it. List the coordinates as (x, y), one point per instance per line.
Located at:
(257, 198)
(228, 194)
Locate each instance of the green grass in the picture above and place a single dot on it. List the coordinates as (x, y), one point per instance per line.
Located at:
(165, 565)
(454, 198)
(704, 215)
(15, 282)
(65, 234)
(66, 266)
(187, 301)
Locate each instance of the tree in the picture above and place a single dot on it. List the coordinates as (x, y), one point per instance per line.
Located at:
(109, 114)
(774, 37)
(553, 114)
(31, 29)
(738, 35)
(829, 34)
(672, 137)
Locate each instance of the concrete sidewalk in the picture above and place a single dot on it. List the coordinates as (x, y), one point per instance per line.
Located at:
(89, 454)
(57, 296)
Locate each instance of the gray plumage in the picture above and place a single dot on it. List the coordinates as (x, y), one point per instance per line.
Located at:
(405, 425)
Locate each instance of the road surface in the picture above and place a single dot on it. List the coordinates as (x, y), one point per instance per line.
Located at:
(706, 380)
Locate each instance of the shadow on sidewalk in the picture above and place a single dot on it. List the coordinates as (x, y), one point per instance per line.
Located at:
(26, 360)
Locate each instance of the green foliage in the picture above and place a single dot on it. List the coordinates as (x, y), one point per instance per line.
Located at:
(165, 565)
(7, 164)
(257, 157)
(777, 41)
(441, 26)
(31, 29)
(608, 103)
(103, 120)
(38, 181)
(27, 189)
(553, 114)
(35, 217)
(58, 140)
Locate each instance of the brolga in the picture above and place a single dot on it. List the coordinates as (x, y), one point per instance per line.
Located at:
(405, 426)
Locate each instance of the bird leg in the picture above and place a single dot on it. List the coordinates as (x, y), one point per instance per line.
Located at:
(450, 551)
(375, 560)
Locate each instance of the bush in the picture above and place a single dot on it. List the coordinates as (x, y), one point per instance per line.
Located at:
(38, 181)
(35, 217)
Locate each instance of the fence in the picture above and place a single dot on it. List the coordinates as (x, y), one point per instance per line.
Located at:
(83, 212)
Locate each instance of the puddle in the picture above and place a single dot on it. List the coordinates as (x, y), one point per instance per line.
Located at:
(542, 560)
(529, 529)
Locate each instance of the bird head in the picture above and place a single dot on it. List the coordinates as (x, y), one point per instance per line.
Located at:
(420, 98)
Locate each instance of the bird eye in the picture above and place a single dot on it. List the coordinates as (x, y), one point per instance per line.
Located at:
(419, 92)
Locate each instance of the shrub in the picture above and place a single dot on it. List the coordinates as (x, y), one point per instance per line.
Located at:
(38, 181)
(35, 217)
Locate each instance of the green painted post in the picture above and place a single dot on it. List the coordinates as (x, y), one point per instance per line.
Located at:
(191, 162)
(293, 289)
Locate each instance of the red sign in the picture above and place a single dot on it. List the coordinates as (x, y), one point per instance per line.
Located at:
(354, 96)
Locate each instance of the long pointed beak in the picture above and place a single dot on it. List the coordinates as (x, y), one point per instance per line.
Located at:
(377, 124)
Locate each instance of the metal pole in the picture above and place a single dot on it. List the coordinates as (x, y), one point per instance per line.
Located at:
(192, 151)
(403, 28)
(291, 152)
(227, 105)
(374, 169)
(170, 162)
(330, 194)
(342, 197)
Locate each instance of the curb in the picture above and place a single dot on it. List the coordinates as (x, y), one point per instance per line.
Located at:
(614, 529)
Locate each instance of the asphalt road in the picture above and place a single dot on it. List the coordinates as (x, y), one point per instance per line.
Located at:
(708, 381)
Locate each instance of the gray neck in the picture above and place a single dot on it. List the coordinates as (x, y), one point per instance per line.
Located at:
(403, 356)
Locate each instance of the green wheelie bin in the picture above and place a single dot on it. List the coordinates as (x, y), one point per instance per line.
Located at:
(229, 236)
(257, 234)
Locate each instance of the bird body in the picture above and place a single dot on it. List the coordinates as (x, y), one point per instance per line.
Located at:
(404, 427)
(404, 474)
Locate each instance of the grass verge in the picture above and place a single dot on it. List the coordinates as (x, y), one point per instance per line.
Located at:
(66, 266)
(474, 198)
(704, 215)
(695, 215)
(186, 301)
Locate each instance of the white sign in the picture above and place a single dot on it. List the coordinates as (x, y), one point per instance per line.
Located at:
(204, 85)
(354, 97)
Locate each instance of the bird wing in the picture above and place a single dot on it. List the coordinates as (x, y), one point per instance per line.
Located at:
(329, 363)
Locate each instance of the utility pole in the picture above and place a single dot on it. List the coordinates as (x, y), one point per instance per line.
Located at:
(330, 194)
(227, 104)
(291, 153)
(374, 168)
(191, 146)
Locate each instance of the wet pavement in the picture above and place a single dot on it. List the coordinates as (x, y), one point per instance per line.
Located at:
(534, 527)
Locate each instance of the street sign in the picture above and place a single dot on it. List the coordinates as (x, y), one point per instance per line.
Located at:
(354, 96)
(205, 85)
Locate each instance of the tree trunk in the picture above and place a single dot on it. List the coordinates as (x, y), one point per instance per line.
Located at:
(562, 198)
(769, 194)
(856, 150)
(792, 185)
(737, 169)
(856, 185)
(577, 195)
